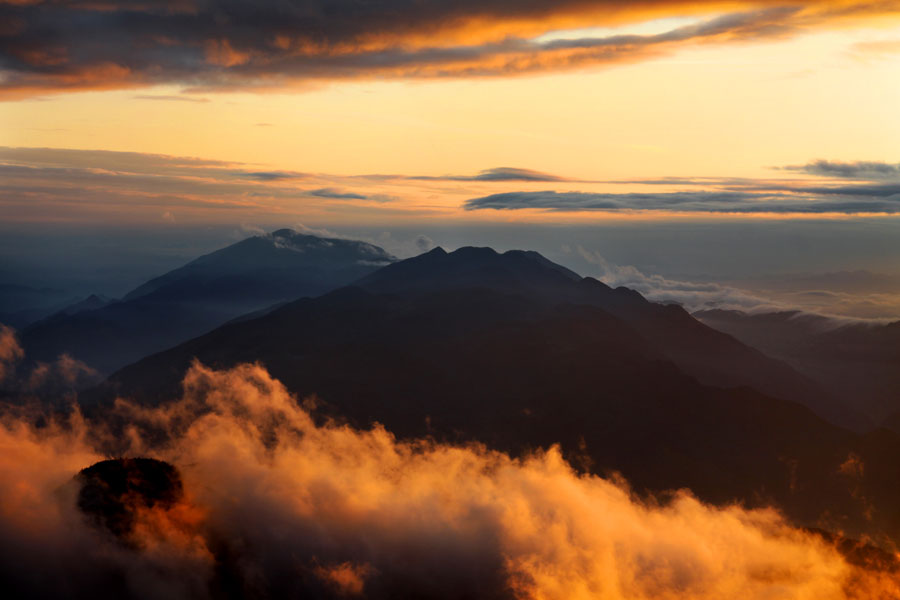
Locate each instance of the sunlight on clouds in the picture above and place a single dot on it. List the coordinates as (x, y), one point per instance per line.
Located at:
(653, 27)
(272, 499)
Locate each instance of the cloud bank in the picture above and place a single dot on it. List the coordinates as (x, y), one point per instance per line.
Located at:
(865, 170)
(875, 190)
(853, 200)
(48, 46)
(41, 184)
(275, 504)
(821, 296)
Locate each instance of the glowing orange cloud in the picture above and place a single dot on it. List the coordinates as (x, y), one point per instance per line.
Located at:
(272, 497)
(230, 46)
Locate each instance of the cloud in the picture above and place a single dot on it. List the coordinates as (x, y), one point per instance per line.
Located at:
(865, 170)
(763, 199)
(42, 184)
(801, 294)
(275, 505)
(48, 47)
(508, 174)
(10, 351)
(85, 185)
(269, 175)
(336, 194)
(63, 375)
(693, 296)
(404, 247)
(59, 377)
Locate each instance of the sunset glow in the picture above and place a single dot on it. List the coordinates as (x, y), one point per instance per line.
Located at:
(445, 299)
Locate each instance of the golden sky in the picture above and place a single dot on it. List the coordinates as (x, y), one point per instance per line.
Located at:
(586, 91)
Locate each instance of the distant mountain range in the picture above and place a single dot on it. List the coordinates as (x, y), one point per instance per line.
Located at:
(858, 361)
(22, 305)
(518, 352)
(247, 276)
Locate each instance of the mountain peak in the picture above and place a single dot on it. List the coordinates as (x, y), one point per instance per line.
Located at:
(474, 252)
(471, 267)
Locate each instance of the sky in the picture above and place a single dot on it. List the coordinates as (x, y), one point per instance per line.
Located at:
(747, 144)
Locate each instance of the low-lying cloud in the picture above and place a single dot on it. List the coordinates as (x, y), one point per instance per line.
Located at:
(691, 295)
(277, 505)
(10, 351)
(808, 296)
(59, 377)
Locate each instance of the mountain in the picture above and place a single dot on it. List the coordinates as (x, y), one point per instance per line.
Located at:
(705, 353)
(92, 302)
(513, 351)
(22, 305)
(247, 276)
(858, 361)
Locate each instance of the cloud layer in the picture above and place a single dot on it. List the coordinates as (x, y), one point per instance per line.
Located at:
(277, 505)
(875, 190)
(49, 46)
(41, 184)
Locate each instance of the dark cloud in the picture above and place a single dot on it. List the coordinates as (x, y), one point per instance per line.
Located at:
(336, 194)
(270, 175)
(763, 198)
(48, 46)
(493, 174)
(511, 174)
(866, 170)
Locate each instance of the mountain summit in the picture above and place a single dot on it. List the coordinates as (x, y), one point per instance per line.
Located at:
(250, 275)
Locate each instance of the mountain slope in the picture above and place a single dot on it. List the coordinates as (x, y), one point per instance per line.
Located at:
(711, 356)
(213, 289)
(860, 362)
(507, 351)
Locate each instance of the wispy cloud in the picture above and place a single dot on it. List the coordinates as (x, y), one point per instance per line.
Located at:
(805, 295)
(44, 184)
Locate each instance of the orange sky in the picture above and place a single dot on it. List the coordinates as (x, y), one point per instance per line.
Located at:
(779, 88)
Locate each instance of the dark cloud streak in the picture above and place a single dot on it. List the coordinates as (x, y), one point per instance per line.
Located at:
(887, 202)
(866, 170)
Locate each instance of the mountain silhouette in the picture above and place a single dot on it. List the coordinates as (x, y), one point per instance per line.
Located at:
(247, 276)
(712, 357)
(513, 351)
(858, 361)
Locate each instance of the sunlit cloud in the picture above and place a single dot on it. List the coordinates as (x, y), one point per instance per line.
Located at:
(51, 47)
(271, 502)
